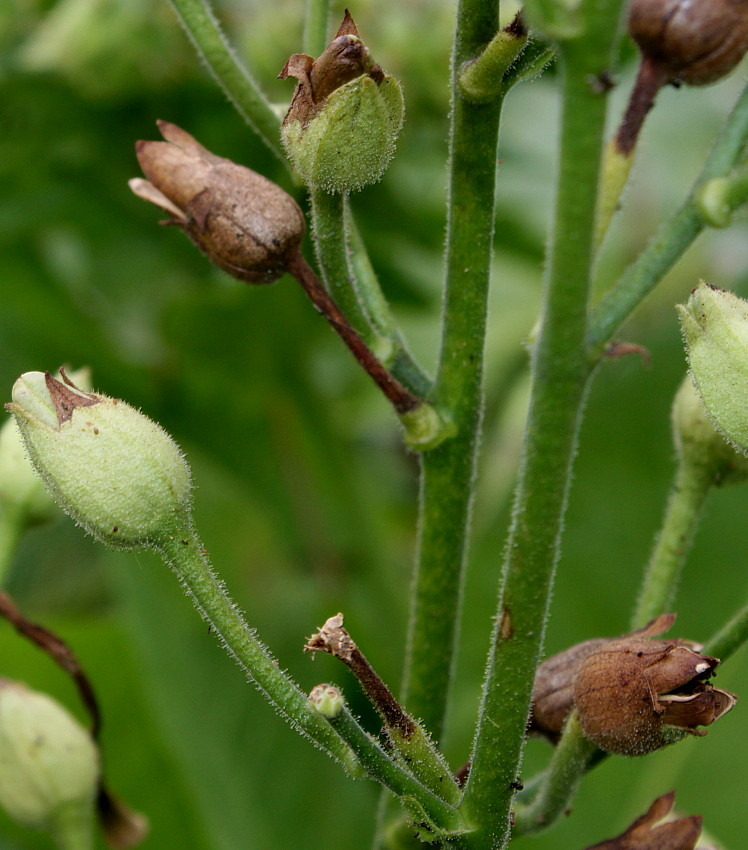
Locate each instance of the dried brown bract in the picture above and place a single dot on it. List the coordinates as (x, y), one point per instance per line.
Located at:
(243, 223)
(693, 42)
(643, 834)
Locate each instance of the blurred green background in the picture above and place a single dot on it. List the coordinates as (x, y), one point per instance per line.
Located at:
(304, 496)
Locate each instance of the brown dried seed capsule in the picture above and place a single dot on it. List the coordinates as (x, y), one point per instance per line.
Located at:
(553, 693)
(636, 695)
(693, 42)
(242, 222)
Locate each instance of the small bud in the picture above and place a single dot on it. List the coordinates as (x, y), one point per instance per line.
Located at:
(644, 834)
(345, 116)
(698, 442)
(693, 42)
(114, 471)
(326, 700)
(49, 765)
(635, 695)
(715, 330)
(243, 223)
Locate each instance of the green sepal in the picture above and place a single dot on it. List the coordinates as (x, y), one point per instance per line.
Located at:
(351, 140)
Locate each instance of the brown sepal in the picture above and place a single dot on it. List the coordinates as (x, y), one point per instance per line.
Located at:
(643, 834)
(344, 59)
(66, 397)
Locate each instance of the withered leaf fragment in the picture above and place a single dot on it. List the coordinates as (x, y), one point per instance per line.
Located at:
(243, 223)
(643, 834)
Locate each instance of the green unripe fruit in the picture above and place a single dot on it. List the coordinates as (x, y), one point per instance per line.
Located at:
(49, 765)
(114, 471)
(698, 442)
(715, 330)
(342, 126)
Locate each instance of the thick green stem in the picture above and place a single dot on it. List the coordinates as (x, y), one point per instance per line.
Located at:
(448, 471)
(690, 488)
(237, 83)
(315, 26)
(560, 374)
(670, 242)
(571, 759)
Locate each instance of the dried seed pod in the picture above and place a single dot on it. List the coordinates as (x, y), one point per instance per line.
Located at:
(693, 42)
(636, 695)
(644, 834)
(553, 693)
(243, 223)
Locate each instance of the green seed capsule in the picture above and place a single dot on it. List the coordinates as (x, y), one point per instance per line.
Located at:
(114, 471)
(715, 330)
(342, 126)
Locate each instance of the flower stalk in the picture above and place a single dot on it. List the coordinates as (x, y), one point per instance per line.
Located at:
(560, 374)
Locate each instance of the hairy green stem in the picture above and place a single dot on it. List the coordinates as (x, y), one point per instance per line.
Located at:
(378, 765)
(560, 373)
(571, 759)
(184, 553)
(315, 26)
(351, 281)
(448, 471)
(377, 308)
(690, 488)
(730, 637)
(240, 87)
(328, 229)
(673, 238)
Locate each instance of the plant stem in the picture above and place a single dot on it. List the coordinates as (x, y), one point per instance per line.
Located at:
(401, 398)
(240, 87)
(10, 535)
(560, 373)
(315, 26)
(571, 759)
(671, 240)
(328, 228)
(73, 827)
(405, 735)
(730, 637)
(447, 472)
(380, 767)
(184, 553)
(690, 488)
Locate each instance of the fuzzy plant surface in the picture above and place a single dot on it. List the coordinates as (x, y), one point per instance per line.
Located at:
(484, 480)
